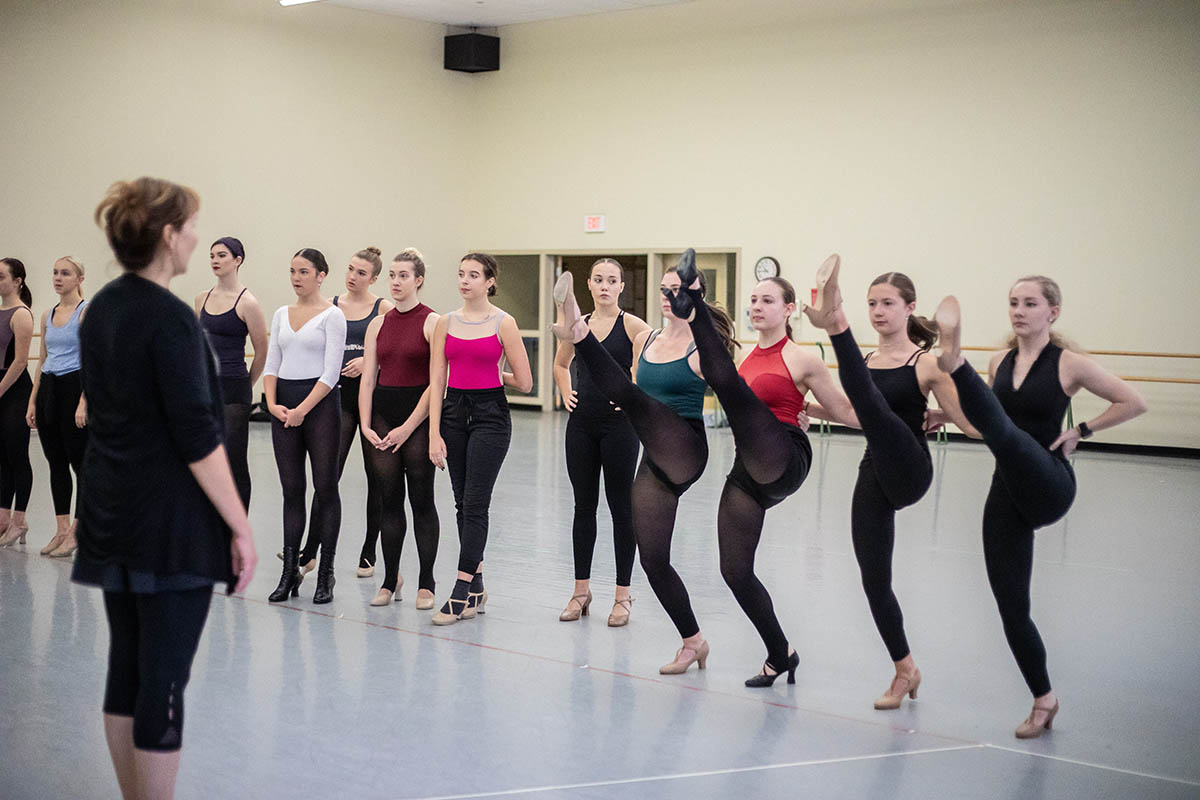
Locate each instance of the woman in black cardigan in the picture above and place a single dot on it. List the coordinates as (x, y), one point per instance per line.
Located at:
(160, 519)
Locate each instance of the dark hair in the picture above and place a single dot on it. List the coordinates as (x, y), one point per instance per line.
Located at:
(1053, 295)
(17, 270)
(922, 332)
(412, 256)
(607, 260)
(234, 246)
(721, 320)
(134, 213)
(490, 268)
(372, 256)
(314, 257)
(789, 296)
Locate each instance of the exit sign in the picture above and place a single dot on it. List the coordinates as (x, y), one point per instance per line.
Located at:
(594, 223)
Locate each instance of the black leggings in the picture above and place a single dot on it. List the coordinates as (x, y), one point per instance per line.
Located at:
(1031, 488)
(895, 472)
(317, 439)
(390, 407)
(348, 432)
(772, 460)
(477, 429)
(600, 439)
(675, 454)
(16, 473)
(235, 391)
(153, 639)
(62, 440)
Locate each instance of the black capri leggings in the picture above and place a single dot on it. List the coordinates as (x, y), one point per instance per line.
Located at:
(62, 440)
(153, 639)
(674, 456)
(1031, 488)
(316, 438)
(895, 472)
(600, 439)
(390, 407)
(16, 473)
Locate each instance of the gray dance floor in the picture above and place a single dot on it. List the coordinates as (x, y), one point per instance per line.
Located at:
(345, 700)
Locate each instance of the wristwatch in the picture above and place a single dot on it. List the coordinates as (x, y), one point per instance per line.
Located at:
(1084, 431)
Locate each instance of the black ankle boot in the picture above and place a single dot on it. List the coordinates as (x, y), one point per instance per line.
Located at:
(289, 581)
(325, 579)
(763, 679)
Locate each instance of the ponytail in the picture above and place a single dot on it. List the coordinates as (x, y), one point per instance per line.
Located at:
(721, 319)
(16, 270)
(922, 331)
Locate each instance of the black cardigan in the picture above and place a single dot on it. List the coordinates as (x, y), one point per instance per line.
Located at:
(154, 407)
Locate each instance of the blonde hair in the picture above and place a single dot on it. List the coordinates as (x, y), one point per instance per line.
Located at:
(372, 256)
(74, 262)
(1053, 295)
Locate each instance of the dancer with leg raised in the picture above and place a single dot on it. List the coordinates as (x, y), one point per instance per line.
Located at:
(393, 401)
(600, 439)
(889, 391)
(470, 430)
(1020, 419)
(762, 401)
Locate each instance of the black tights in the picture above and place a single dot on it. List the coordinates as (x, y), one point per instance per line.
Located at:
(153, 639)
(390, 407)
(237, 444)
(600, 439)
(348, 432)
(62, 440)
(1031, 488)
(315, 438)
(16, 473)
(771, 462)
(895, 472)
(676, 451)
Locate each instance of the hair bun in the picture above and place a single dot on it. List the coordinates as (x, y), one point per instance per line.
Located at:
(410, 251)
(375, 251)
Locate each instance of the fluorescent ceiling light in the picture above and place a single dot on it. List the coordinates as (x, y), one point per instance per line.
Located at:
(296, 2)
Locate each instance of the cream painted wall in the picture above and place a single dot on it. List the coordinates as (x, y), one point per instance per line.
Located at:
(317, 127)
(963, 143)
(965, 146)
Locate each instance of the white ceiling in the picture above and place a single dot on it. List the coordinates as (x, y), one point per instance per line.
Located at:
(495, 13)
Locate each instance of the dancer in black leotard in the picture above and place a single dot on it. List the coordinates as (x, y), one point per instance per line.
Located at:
(888, 390)
(16, 332)
(229, 313)
(360, 308)
(666, 409)
(762, 401)
(57, 407)
(1020, 419)
(393, 403)
(600, 438)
